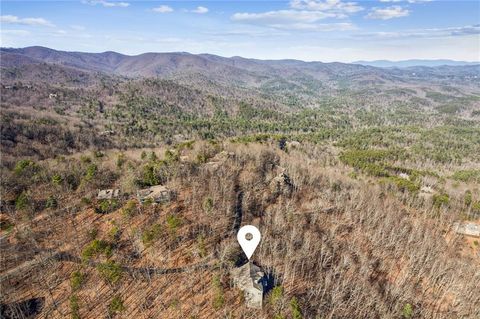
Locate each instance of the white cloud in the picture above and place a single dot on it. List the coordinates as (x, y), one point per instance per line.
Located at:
(409, 1)
(388, 13)
(282, 16)
(424, 33)
(163, 9)
(328, 5)
(318, 26)
(304, 15)
(200, 10)
(246, 33)
(107, 4)
(9, 19)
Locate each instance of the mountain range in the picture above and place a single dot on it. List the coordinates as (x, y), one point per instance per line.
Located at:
(203, 71)
(159, 64)
(412, 63)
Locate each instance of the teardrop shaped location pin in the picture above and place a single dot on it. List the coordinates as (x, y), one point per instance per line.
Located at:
(248, 237)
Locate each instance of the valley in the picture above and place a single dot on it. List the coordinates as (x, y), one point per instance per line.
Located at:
(354, 174)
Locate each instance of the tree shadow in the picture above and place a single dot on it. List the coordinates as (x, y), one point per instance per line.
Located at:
(270, 280)
(29, 308)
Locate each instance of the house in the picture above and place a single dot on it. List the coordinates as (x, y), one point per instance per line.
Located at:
(108, 193)
(469, 229)
(52, 95)
(252, 281)
(155, 194)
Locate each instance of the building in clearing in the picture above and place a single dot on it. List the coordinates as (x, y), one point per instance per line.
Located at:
(469, 229)
(108, 193)
(251, 280)
(155, 194)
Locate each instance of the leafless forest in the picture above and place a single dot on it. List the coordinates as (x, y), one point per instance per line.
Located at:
(355, 186)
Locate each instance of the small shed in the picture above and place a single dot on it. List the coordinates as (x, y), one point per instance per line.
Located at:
(252, 281)
(108, 193)
(156, 194)
(469, 229)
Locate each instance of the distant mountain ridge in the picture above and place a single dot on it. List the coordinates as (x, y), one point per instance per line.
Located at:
(189, 67)
(414, 62)
(199, 71)
(156, 64)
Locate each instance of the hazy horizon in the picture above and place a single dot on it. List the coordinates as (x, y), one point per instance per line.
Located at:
(307, 30)
(249, 58)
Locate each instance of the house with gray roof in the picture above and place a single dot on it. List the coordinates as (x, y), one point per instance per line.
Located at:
(252, 281)
(469, 229)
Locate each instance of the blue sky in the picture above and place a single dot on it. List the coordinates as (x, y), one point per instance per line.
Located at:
(311, 30)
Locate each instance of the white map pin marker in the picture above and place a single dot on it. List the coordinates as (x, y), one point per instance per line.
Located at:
(248, 246)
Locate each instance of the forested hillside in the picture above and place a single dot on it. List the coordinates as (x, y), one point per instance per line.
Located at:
(355, 176)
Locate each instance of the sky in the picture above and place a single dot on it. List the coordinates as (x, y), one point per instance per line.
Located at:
(310, 30)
